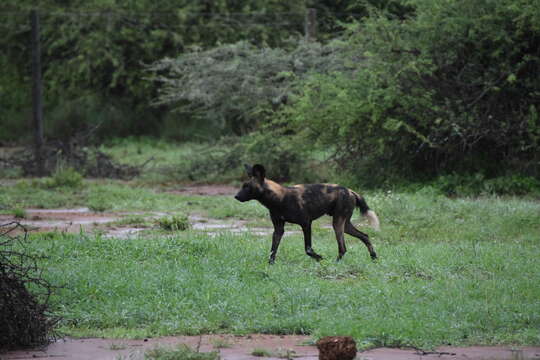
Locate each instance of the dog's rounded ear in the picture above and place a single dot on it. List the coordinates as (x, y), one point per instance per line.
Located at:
(259, 172)
(249, 169)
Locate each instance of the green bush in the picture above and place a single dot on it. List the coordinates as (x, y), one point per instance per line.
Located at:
(19, 213)
(174, 223)
(450, 89)
(513, 185)
(478, 184)
(64, 177)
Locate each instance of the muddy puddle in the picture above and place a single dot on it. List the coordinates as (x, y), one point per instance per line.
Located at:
(111, 224)
(65, 220)
(213, 226)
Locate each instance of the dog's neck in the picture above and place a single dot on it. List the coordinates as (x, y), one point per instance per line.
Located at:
(273, 194)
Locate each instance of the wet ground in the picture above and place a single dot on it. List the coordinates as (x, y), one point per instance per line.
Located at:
(242, 348)
(72, 221)
(75, 220)
(110, 224)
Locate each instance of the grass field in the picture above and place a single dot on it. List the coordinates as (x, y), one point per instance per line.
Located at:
(451, 271)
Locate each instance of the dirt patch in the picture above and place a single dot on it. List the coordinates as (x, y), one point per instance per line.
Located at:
(241, 348)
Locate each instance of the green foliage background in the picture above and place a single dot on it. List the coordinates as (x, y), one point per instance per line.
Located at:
(94, 52)
(397, 89)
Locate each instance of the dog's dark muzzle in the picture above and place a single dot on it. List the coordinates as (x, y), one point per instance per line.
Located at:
(240, 198)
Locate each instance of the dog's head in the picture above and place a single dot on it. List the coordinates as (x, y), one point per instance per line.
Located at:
(253, 188)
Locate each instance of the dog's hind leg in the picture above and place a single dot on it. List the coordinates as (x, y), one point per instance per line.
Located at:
(306, 228)
(338, 222)
(351, 230)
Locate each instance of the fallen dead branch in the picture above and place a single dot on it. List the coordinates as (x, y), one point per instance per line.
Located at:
(24, 293)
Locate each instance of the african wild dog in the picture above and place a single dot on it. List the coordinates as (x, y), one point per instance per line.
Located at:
(301, 204)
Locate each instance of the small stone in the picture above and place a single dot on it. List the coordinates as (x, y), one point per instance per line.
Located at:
(336, 348)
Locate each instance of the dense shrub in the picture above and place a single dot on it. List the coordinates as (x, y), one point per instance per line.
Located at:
(64, 177)
(477, 184)
(452, 88)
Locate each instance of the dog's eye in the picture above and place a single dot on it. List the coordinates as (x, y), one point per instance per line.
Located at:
(244, 186)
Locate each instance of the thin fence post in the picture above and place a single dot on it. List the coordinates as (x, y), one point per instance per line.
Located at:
(310, 26)
(37, 100)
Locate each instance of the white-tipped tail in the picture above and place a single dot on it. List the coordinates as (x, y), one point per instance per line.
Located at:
(373, 220)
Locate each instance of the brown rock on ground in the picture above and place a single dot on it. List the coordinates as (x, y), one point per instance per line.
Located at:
(336, 348)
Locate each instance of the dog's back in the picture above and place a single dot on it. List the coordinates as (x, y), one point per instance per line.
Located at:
(323, 199)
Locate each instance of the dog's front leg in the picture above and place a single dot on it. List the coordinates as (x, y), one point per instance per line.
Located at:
(306, 228)
(279, 229)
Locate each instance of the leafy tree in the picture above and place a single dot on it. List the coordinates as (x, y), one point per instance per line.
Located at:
(236, 86)
(94, 52)
(452, 88)
(334, 15)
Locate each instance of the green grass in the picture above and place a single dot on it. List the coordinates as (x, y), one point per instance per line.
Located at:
(19, 213)
(177, 222)
(181, 352)
(135, 220)
(174, 162)
(459, 272)
(259, 352)
(132, 151)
